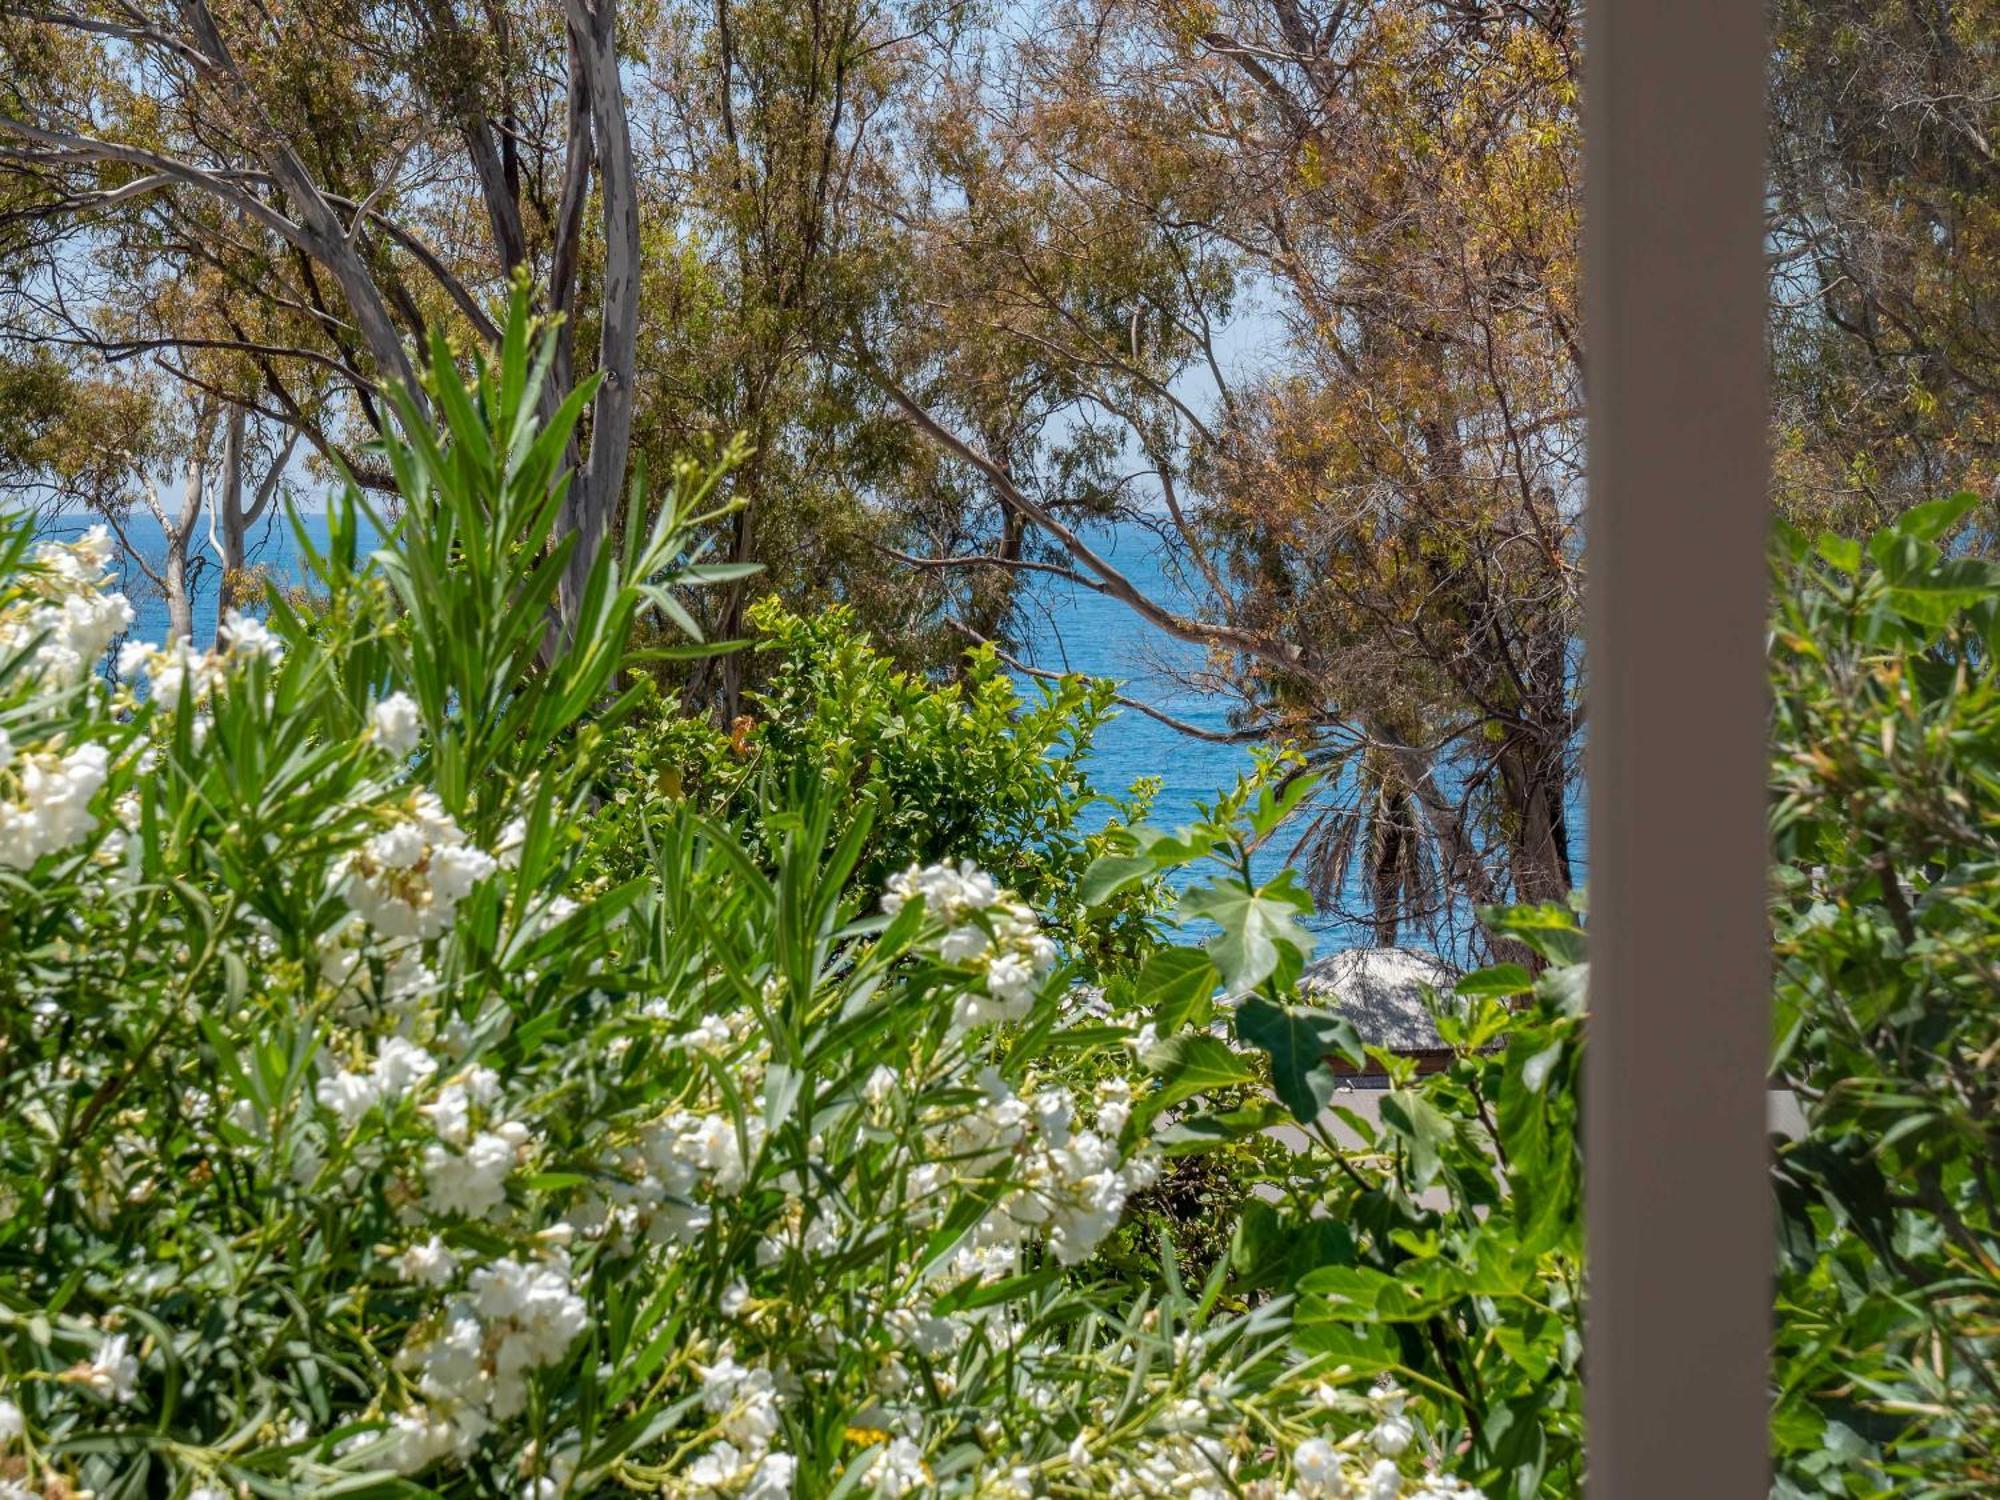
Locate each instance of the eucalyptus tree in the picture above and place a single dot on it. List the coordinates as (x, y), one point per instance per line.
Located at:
(1295, 285)
(1886, 237)
(339, 180)
(774, 138)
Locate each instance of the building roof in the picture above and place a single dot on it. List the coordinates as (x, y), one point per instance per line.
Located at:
(1380, 993)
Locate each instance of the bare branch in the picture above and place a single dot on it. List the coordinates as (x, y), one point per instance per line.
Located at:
(1179, 726)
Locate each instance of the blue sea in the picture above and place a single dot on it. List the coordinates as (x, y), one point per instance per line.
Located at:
(1065, 628)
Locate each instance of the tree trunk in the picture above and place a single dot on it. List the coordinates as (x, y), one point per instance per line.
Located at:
(593, 495)
(228, 518)
(174, 567)
(1538, 838)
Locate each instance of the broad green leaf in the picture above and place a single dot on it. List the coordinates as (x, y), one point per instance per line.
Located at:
(1419, 1123)
(1500, 981)
(1177, 988)
(1192, 1064)
(1259, 929)
(1300, 1042)
(1111, 873)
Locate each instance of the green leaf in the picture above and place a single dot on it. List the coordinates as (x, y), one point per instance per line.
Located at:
(1934, 518)
(1548, 929)
(1420, 1124)
(1498, 982)
(1259, 929)
(1953, 584)
(1177, 988)
(1841, 551)
(1109, 874)
(1192, 1064)
(1198, 1133)
(1300, 1042)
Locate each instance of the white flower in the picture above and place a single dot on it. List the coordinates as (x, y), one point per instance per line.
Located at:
(246, 635)
(473, 1183)
(52, 809)
(717, 1468)
(396, 724)
(1385, 1481)
(1316, 1466)
(483, 1084)
(879, 1086)
(12, 1422)
(67, 611)
(114, 1371)
(450, 1114)
(532, 1315)
(400, 1066)
(773, 1479)
(422, 1438)
(962, 944)
(947, 893)
(348, 1095)
(408, 879)
(1010, 978)
(1392, 1435)
(735, 1297)
(428, 1264)
(720, 1380)
(898, 1469)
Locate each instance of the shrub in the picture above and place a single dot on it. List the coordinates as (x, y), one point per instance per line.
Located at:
(1444, 1248)
(367, 1134)
(1888, 941)
(961, 769)
(1440, 1252)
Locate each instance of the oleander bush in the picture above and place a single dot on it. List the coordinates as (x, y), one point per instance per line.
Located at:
(432, 1067)
(369, 1131)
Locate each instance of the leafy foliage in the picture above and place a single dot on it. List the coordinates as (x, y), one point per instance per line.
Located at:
(1888, 932)
(1438, 1245)
(960, 769)
(369, 1134)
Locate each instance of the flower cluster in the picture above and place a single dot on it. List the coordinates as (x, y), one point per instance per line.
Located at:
(513, 1318)
(1367, 1466)
(1201, 1445)
(742, 1403)
(177, 674)
(63, 610)
(408, 879)
(48, 807)
(395, 724)
(986, 930)
(1067, 1182)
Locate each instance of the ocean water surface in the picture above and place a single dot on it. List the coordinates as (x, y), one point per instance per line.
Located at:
(1065, 628)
